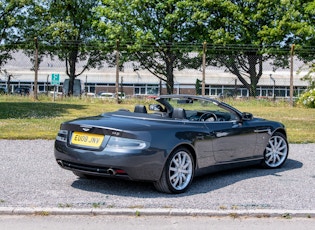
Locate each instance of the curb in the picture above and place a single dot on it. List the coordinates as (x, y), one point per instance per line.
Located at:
(261, 213)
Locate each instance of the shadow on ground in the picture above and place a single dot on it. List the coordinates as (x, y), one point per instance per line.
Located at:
(20, 110)
(200, 185)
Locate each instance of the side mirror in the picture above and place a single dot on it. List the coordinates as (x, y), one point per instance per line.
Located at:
(247, 116)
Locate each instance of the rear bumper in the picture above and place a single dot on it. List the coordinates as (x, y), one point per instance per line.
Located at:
(144, 165)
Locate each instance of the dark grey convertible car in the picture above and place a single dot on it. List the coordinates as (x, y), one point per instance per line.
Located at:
(169, 141)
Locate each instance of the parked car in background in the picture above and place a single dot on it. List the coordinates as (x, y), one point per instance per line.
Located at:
(169, 142)
(121, 95)
(3, 90)
(24, 91)
(106, 95)
(77, 88)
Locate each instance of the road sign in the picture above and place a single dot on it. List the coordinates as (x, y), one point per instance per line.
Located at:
(55, 79)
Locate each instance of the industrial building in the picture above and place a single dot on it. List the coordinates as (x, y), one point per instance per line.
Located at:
(136, 82)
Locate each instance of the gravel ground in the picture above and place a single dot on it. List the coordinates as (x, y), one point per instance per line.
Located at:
(30, 177)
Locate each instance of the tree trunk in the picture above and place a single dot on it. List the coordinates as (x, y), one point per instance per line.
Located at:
(71, 69)
(250, 71)
(170, 83)
(252, 90)
(169, 62)
(253, 61)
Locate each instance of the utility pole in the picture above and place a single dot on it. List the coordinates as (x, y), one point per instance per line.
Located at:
(117, 71)
(204, 49)
(291, 75)
(36, 69)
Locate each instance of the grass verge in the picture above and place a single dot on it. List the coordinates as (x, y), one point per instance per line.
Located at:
(22, 118)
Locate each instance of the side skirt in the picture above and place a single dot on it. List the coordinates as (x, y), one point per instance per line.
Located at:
(227, 166)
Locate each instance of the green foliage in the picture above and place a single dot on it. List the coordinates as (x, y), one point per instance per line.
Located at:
(158, 35)
(304, 30)
(198, 87)
(243, 32)
(154, 33)
(64, 28)
(242, 35)
(12, 13)
(307, 99)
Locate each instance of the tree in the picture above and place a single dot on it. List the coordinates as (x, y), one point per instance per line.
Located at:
(11, 14)
(154, 33)
(64, 28)
(73, 35)
(304, 37)
(243, 34)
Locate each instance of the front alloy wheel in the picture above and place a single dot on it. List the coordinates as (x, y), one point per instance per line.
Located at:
(178, 172)
(276, 151)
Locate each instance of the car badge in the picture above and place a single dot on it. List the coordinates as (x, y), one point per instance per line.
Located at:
(86, 129)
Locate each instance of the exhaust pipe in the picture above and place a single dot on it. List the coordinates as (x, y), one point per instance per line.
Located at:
(111, 172)
(59, 162)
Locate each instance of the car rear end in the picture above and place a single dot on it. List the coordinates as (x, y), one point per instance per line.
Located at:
(86, 147)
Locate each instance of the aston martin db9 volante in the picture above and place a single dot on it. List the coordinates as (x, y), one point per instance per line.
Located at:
(169, 142)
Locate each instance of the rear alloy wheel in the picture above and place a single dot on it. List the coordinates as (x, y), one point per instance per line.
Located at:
(276, 151)
(178, 172)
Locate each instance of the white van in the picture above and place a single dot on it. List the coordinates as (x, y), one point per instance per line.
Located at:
(76, 87)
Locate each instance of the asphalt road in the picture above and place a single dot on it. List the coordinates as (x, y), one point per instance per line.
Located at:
(30, 178)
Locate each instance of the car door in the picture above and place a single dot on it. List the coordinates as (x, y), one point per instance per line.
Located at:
(231, 140)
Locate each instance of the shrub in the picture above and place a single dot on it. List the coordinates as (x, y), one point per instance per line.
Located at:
(308, 99)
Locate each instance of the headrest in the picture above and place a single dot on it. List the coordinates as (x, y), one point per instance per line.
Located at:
(179, 113)
(140, 109)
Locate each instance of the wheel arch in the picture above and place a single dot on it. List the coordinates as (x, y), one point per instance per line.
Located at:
(280, 130)
(190, 149)
(164, 183)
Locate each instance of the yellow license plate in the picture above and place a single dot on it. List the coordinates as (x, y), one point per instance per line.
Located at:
(87, 139)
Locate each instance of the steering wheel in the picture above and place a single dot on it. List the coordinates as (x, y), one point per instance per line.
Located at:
(208, 116)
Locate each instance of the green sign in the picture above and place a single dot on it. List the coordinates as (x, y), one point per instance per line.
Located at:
(55, 79)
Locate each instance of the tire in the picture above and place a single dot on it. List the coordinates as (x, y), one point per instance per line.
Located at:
(276, 151)
(178, 172)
